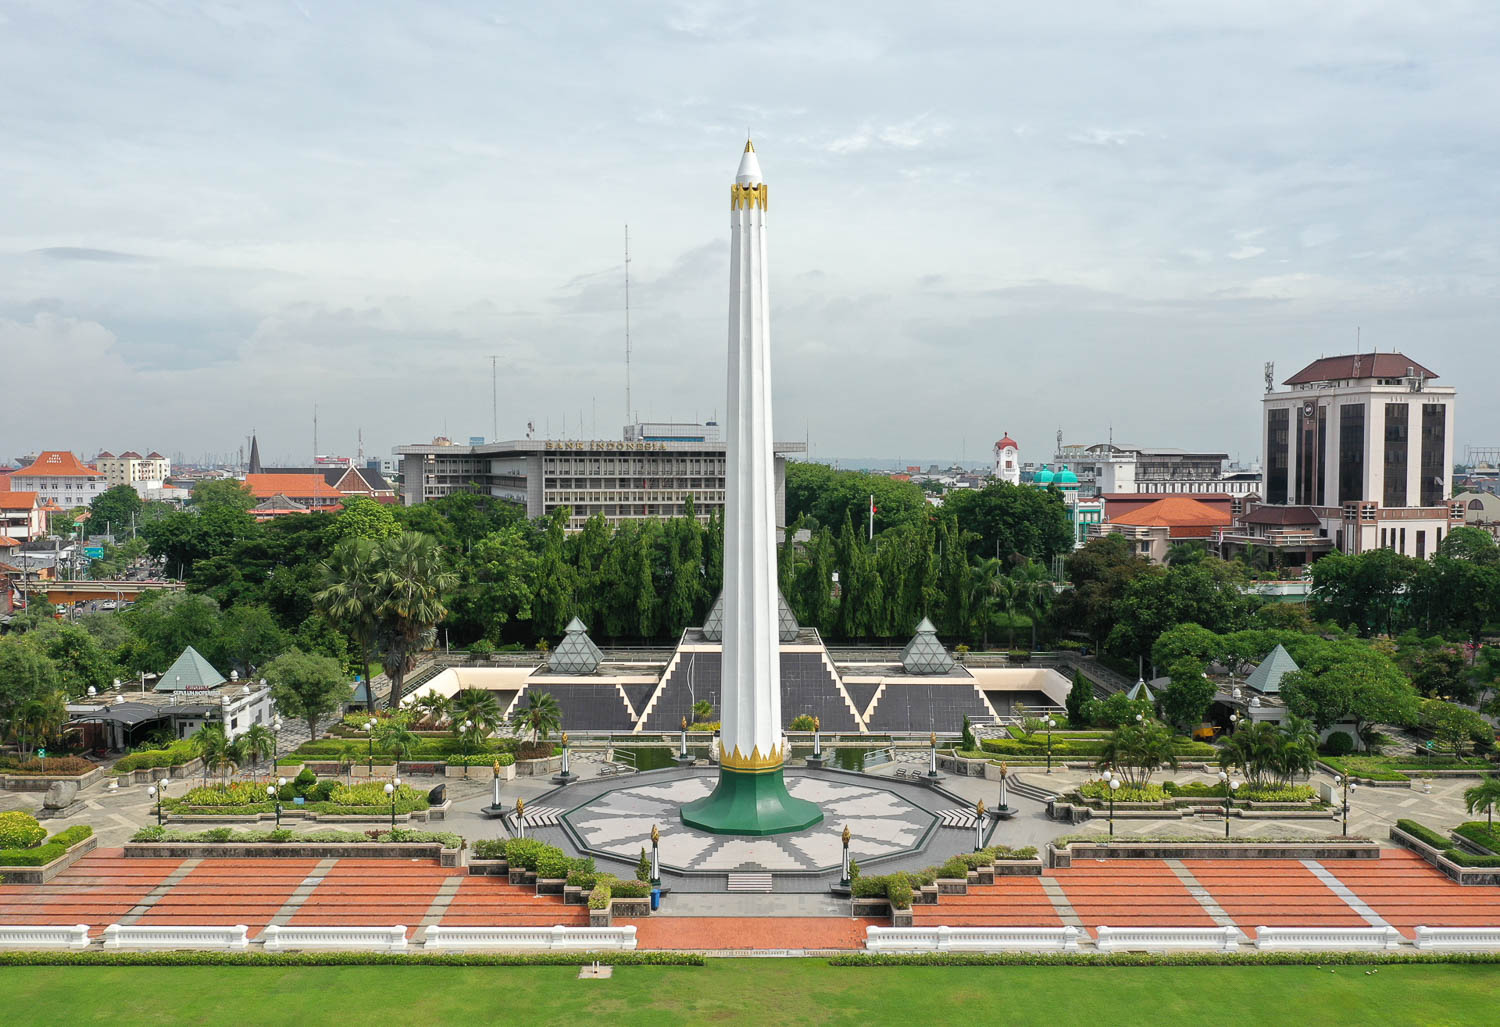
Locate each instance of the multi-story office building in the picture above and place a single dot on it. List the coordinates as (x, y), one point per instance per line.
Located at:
(1358, 456)
(1107, 468)
(59, 477)
(644, 475)
(130, 468)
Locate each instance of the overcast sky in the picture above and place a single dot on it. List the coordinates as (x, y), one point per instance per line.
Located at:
(985, 218)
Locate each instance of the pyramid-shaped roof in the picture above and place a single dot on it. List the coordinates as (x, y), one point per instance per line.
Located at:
(190, 673)
(924, 654)
(1266, 679)
(786, 627)
(1141, 690)
(576, 653)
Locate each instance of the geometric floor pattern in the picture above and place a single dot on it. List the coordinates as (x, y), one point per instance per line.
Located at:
(619, 823)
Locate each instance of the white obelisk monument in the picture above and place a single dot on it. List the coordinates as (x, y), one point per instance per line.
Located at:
(751, 797)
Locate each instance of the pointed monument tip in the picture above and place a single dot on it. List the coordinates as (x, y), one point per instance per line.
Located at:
(749, 169)
(749, 146)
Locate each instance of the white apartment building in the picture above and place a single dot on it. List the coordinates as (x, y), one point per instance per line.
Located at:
(130, 468)
(1107, 468)
(58, 476)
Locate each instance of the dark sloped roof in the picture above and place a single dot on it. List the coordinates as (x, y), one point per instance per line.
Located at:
(1281, 515)
(1358, 365)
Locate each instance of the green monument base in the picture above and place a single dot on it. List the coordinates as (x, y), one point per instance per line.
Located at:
(750, 802)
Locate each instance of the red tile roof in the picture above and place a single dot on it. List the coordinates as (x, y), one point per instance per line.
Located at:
(154, 455)
(17, 500)
(1175, 512)
(1281, 515)
(5, 481)
(293, 486)
(1358, 365)
(58, 462)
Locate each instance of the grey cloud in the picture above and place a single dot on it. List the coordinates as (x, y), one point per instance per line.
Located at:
(85, 253)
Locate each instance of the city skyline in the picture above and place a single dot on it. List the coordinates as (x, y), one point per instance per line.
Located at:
(997, 221)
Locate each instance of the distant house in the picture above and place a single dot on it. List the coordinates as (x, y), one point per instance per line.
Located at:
(1152, 527)
(59, 477)
(348, 481)
(309, 490)
(21, 516)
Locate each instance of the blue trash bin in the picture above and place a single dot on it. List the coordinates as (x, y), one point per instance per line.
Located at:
(655, 899)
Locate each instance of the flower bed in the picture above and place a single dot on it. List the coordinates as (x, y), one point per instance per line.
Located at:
(1391, 768)
(52, 766)
(24, 844)
(247, 798)
(175, 755)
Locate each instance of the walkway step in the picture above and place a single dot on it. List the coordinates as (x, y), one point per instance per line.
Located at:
(750, 882)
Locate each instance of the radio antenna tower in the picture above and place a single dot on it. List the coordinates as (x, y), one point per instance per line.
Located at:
(494, 401)
(628, 417)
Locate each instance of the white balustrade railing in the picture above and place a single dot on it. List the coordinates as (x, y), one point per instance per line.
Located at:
(590, 939)
(74, 936)
(1225, 939)
(379, 939)
(1459, 938)
(139, 936)
(1327, 939)
(972, 939)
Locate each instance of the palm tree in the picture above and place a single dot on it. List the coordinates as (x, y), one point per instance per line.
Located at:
(37, 719)
(215, 749)
(1184, 553)
(348, 757)
(702, 710)
(1483, 796)
(541, 716)
(478, 707)
(434, 708)
(1255, 750)
(410, 583)
(1136, 751)
(1298, 749)
(1035, 592)
(349, 599)
(989, 587)
(258, 743)
(393, 735)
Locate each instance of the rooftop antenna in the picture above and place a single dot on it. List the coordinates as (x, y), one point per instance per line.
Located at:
(628, 416)
(359, 458)
(315, 434)
(1270, 375)
(494, 402)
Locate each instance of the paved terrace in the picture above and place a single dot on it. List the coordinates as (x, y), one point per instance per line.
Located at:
(1397, 890)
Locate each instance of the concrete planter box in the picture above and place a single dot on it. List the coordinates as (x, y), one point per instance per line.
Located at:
(984, 875)
(630, 907)
(311, 850)
(902, 918)
(872, 907)
(520, 875)
(151, 775)
(1018, 867)
(923, 895)
(489, 868)
(290, 812)
(41, 782)
(46, 872)
(544, 767)
(952, 886)
(600, 918)
(484, 773)
(1449, 869)
(551, 885)
(574, 895)
(1333, 849)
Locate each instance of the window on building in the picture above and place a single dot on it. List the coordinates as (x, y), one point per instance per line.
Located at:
(1278, 454)
(1403, 540)
(1434, 443)
(1396, 446)
(1351, 452)
(1421, 545)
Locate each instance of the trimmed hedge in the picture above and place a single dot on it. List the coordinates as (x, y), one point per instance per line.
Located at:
(854, 959)
(51, 765)
(189, 958)
(481, 759)
(1088, 748)
(174, 755)
(226, 835)
(1480, 834)
(1424, 833)
(41, 855)
(20, 830)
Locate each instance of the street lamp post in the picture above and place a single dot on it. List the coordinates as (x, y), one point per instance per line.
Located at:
(520, 817)
(1348, 786)
(682, 747)
(468, 742)
(1234, 720)
(370, 731)
(655, 856)
(1004, 775)
(159, 792)
(1230, 787)
(391, 788)
(844, 875)
(275, 736)
(979, 825)
(1114, 783)
(1050, 725)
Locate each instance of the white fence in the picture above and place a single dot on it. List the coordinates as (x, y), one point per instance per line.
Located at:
(972, 939)
(1457, 938)
(134, 936)
(1225, 939)
(75, 936)
(1327, 939)
(379, 939)
(591, 939)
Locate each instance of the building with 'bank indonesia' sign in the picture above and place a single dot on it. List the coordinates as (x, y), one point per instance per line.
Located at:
(651, 472)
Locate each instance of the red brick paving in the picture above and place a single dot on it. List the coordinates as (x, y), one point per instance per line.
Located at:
(752, 932)
(103, 886)
(1275, 893)
(1009, 902)
(1130, 893)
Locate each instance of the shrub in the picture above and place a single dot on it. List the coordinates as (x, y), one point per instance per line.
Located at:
(600, 896)
(20, 831)
(1125, 793)
(303, 781)
(240, 793)
(955, 867)
(898, 890)
(490, 848)
(41, 855)
(480, 759)
(802, 722)
(372, 794)
(322, 791)
(578, 877)
(53, 765)
(527, 852)
(630, 889)
(553, 864)
(174, 755)
(1339, 743)
(1478, 833)
(643, 866)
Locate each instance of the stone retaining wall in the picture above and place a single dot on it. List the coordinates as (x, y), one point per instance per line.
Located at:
(1449, 869)
(41, 782)
(297, 850)
(151, 775)
(1350, 848)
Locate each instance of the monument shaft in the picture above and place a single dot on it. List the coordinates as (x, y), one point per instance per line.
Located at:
(751, 797)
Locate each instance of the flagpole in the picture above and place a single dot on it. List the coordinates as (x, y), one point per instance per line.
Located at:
(872, 517)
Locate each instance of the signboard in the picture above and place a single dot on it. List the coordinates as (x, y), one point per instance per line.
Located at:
(94, 552)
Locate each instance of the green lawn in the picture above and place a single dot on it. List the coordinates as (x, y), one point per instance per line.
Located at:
(758, 991)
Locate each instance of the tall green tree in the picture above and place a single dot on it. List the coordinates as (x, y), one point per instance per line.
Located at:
(306, 686)
(350, 598)
(411, 582)
(115, 509)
